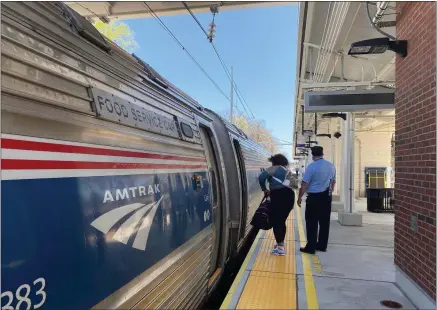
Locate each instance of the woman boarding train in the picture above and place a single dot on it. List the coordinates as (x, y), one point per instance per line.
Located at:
(281, 197)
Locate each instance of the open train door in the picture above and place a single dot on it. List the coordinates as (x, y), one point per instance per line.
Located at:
(243, 192)
(215, 197)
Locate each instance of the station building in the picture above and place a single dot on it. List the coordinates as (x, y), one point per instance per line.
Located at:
(392, 148)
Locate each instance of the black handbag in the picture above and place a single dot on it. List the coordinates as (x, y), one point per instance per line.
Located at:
(260, 219)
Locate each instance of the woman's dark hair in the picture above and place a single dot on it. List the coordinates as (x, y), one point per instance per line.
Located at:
(279, 160)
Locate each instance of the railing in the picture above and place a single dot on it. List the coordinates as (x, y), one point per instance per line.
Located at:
(380, 200)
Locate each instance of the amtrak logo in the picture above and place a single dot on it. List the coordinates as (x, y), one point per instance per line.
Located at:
(105, 222)
(206, 216)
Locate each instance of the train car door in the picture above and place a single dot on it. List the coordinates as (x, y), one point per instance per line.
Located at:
(215, 201)
(243, 184)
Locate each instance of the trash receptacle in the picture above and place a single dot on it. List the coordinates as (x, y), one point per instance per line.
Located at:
(380, 199)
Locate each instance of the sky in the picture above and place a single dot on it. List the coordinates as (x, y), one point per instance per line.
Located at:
(260, 45)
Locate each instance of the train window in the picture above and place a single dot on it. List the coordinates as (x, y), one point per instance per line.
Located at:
(187, 130)
(197, 182)
(214, 186)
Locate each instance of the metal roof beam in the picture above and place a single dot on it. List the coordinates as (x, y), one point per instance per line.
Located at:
(119, 10)
(345, 84)
(387, 69)
(387, 117)
(378, 125)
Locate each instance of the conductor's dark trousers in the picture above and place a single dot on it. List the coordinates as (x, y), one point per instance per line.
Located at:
(318, 213)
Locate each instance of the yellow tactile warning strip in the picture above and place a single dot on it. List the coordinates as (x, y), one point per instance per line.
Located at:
(310, 289)
(228, 301)
(266, 281)
(268, 290)
(265, 261)
(269, 282)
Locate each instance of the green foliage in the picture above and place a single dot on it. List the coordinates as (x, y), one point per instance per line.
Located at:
(120, 33)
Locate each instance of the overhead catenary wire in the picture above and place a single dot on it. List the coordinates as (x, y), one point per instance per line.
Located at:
(186, 51)
(274, 138)
(177, 41)
(264, 135)
(237, 90)
(195, 18)
(161, 23)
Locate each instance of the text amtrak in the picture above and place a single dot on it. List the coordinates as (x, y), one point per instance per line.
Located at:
(130, 192)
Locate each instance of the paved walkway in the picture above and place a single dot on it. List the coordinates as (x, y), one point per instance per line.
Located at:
(357, 271)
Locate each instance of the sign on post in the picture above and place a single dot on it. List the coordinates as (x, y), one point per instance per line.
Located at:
(350, 100)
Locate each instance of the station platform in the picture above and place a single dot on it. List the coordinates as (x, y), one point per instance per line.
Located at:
(357, 271)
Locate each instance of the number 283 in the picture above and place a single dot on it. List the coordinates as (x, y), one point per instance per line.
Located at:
(22, 296)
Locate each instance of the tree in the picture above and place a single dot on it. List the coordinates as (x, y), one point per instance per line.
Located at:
(256, 130)
(119, 33)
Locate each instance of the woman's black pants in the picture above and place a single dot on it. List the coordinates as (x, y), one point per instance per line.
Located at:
(282, 204)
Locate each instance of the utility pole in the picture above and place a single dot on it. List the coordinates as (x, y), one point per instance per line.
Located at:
(232, 95)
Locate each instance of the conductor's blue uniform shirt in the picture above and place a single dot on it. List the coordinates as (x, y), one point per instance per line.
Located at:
(319, 175)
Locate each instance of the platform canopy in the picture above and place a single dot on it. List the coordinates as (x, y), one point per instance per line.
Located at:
(118, 10)
(326, 32)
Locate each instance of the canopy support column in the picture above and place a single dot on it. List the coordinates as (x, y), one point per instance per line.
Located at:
(348, 216)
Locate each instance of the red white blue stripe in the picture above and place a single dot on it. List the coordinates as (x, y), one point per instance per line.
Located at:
(33, 158)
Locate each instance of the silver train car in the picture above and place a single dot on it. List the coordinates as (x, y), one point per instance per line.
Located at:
(119, 191)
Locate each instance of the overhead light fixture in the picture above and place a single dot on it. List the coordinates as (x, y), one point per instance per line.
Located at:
(324, 135)
(379, 46)
(331, 115)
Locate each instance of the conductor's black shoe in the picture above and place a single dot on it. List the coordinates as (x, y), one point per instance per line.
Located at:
(305, 250)
(320, 249)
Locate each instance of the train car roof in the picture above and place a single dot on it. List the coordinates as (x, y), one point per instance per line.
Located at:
(146, 72)
(232, 128)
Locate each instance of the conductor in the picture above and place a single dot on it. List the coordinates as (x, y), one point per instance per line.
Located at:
(318, 182)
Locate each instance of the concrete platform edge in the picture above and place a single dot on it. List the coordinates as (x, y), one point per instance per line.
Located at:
(413, 292)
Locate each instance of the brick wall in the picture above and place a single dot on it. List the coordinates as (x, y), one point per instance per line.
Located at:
(415, 150)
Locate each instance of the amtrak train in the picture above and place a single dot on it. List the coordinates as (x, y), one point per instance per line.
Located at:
(118, 190)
